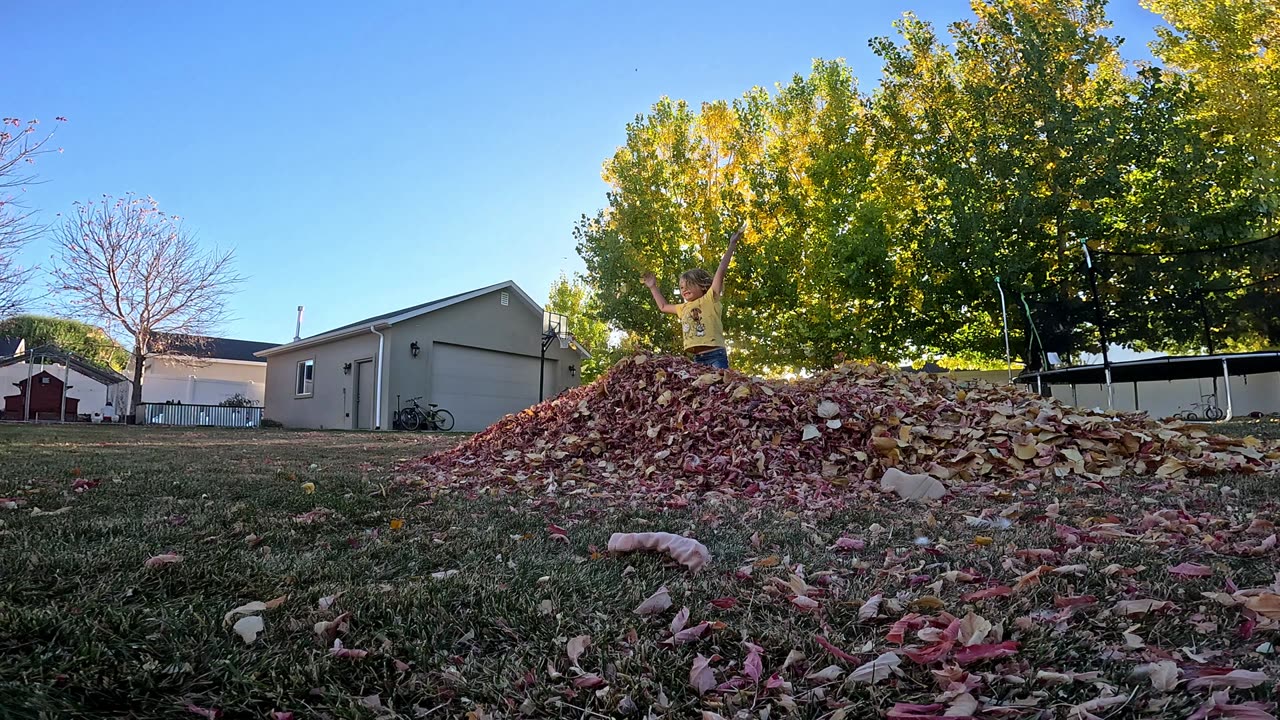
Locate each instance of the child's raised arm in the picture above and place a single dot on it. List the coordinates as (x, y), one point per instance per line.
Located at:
(717, 283)
(663, 305)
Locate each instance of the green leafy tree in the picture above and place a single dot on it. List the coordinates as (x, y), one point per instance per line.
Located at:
(77, 337)
(574, 298)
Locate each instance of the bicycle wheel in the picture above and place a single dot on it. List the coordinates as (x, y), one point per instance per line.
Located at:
(442, 420)
(410, 419)
(1191, 416)
(1213, 412)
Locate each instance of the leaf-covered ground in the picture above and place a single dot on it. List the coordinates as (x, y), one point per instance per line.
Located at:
(1122, 601)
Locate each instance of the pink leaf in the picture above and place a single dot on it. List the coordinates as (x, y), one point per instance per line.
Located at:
(1008, 648)
(1241, 679)
(163, 560)
(701, 677)
(829, 647)
(588, 681)
(804, 603)
(998, 591)
(753, 666)
(210, 713)
(725, 603)
(678, 622)
(687, 635)
(1188, 569)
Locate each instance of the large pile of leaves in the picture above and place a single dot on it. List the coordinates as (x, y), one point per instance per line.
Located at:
(666, 431)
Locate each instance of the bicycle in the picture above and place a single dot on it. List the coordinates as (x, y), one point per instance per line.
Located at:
(433, 417)
(1209, 405)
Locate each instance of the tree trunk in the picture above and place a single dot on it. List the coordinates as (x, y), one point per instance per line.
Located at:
(138, 359)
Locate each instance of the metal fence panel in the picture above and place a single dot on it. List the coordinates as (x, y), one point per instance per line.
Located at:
(199, 415)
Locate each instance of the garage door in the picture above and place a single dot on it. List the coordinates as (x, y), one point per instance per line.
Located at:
(480, 386)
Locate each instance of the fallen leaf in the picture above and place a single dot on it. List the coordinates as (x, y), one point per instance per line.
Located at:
(974, 653)
(876, 670)
(1239, 679)
(1163, 675)
(163, 560)
(753, 666)
(1141, 607)
(973, 630)
(246, 609)
(327, 601)
(810, 432)
(831, 648)
(911, 487)
(871, 607)
(443, 574)
(1267, 605)
(804, 603)
(576, 647)
(343, 652)
(657, 602)
(1188, 569)
(588, 681)
(210, 713)
(248, 628)
(688, 635)
(678, 622)
(701, 677)
(826, 674)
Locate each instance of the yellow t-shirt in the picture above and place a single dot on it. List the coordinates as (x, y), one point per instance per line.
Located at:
(700, 322)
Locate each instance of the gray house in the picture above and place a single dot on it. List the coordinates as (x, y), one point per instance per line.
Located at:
(475, 354)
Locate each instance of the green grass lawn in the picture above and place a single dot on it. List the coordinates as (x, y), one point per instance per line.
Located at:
(87, 630)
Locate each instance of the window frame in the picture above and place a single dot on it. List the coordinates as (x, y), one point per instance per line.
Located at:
(303, 383)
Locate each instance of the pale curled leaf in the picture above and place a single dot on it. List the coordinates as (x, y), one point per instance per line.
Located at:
(656, 603)
(576, 646)
(678, 622)
(876, 670)
(163, 560)
(248, 628)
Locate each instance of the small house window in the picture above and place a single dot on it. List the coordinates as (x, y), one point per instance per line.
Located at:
(506, 299)
(306, 373)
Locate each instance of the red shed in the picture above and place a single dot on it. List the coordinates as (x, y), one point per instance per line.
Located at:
(46, 397)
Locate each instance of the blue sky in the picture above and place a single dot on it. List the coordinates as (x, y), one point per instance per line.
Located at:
(361, 157)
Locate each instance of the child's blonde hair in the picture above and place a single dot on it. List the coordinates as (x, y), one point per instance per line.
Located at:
(699, 277)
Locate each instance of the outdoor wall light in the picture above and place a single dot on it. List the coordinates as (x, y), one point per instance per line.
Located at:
(346, 368)
(573, 371)
(414, 349)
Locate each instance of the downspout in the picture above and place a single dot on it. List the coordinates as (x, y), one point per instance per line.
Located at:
(377, 392)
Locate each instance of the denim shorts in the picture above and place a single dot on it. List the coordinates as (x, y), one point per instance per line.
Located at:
(717, 358)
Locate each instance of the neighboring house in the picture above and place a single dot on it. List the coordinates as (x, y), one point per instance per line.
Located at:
(203, 370)
(10, 346)
(475, 354)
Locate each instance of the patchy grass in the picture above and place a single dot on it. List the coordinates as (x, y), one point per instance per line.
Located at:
(86, 629)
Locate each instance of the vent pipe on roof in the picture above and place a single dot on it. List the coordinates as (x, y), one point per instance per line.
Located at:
(297, 334)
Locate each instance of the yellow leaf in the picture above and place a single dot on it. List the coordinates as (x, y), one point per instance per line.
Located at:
(397, 524)
(308, 487)
(983, 540)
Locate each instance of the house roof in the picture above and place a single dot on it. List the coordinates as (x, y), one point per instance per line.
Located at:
(210, 348)
(9, 346)
(391, 318)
